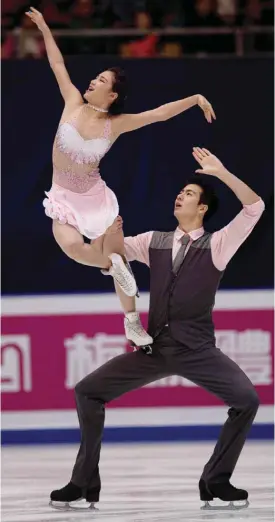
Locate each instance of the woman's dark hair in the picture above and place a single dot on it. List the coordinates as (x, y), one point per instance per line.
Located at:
(208, 195)
(120, 87)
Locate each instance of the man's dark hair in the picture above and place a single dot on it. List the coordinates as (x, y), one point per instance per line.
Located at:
(208, 195)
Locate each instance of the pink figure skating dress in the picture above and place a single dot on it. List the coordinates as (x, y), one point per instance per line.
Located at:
(78, 195)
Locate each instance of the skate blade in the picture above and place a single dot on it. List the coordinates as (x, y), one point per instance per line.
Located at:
(73, 506)
(229, 507)
(146, 349)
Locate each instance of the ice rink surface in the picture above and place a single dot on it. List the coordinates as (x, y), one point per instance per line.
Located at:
(140, 482)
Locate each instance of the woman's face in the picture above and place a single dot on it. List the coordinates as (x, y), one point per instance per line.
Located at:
(100, 92)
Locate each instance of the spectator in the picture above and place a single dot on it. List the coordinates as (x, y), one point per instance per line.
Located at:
(84, 15)
(166, 13)
(30, 45)
(227, 11)
(8, 46)
(121, 13)
(10, 7)
(204, 14)
(142, 21)
(56, 14)
(144, 47)
(259, 12)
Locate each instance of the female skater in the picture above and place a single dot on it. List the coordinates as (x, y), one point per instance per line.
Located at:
(79, 202)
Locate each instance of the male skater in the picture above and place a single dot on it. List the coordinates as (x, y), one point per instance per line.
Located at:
(186, 266)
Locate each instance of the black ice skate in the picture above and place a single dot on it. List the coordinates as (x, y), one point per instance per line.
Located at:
(224, 491)
(70, 498)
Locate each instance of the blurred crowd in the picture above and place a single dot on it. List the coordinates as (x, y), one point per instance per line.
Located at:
(18, 42)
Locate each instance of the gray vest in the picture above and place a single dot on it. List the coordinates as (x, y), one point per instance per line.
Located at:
(183, 301)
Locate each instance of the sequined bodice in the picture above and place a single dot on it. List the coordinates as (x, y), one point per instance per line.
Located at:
(75, 159)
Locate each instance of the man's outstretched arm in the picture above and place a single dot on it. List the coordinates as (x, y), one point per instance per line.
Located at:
(212, 166)
(225, 242)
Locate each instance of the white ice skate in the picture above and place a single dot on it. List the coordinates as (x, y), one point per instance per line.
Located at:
(136, 334)
(122, 275)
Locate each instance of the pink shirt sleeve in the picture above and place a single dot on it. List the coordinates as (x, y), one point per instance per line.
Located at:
(225, 242)
(137, 247)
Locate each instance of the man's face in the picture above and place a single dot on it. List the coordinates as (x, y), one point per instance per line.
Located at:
(187, 203)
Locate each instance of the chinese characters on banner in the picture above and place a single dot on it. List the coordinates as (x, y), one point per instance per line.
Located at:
(43, 357)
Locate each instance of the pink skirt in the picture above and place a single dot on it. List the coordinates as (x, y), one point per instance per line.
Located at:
(90, 213)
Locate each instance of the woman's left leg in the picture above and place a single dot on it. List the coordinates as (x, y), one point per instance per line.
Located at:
(114, 243)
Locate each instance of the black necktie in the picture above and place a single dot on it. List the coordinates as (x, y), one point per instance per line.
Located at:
(180, 255)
